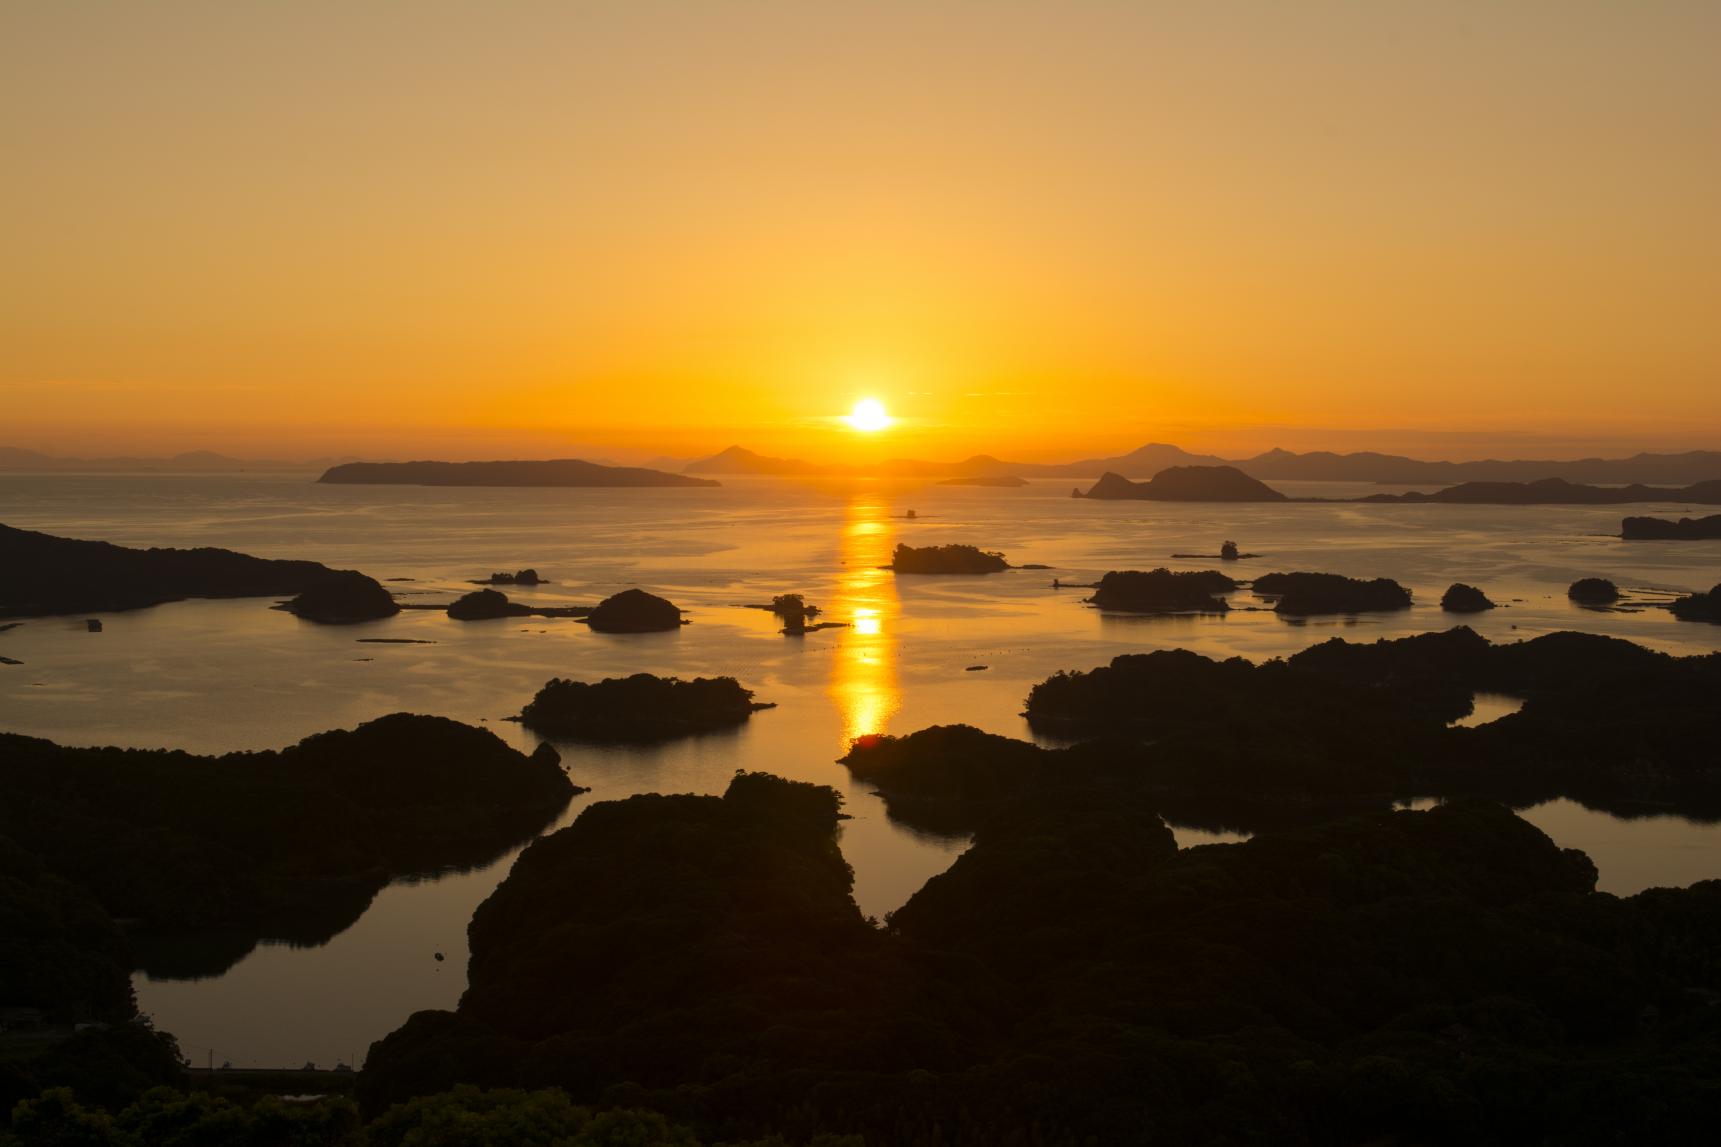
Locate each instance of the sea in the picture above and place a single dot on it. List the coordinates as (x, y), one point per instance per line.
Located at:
(214, 676)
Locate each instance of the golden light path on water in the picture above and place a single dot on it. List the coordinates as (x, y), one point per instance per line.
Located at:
(863, 680)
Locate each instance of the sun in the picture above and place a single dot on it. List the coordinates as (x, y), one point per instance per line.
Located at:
(868, 416)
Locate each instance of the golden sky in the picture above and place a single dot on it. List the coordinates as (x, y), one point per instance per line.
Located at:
(1031, 229)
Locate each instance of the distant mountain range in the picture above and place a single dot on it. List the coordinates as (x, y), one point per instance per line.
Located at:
(550, 472)
(15, 459)
(1282, 465)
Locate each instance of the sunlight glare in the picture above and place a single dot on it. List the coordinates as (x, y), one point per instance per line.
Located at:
(868, 416)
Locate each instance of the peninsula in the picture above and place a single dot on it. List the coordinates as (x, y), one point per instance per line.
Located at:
(42, 575)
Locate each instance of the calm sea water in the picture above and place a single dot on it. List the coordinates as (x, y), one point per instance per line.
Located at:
(211, 676)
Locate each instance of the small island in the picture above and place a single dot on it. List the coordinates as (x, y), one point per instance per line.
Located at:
(1461, 598)
(1162, 591)
(518, 577)
(490, 604)
(1664, 530)
(635, 611)
(1185, 484)
(640, 708)
(953, 559)
(553, 472)
(345, 599)
(1307, 594)
(1228, 552)
(1593, 591)
(797, 615)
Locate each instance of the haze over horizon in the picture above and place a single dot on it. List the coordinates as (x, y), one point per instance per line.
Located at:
(1040, 232)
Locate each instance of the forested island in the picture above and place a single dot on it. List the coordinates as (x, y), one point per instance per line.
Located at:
(1163, 591)
(553, 472)
(640, 708)
(951, 559)
(41, 575)
(1304, 594)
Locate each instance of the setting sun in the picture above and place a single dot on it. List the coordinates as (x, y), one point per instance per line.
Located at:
(868, 415)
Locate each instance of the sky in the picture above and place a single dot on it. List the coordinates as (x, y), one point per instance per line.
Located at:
(1036, 230)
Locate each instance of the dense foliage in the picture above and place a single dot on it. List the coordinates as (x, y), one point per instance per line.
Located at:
(59, 952)
(1162, 591)
(1593, 591)
(1444, 976)
(1699, 606)
(462, 1117)
(344, 598)
(1462, 598)
(1604, 721)
(642, 707)
(954, 559)
(291, 843)
(1305, 594)
(634, 611)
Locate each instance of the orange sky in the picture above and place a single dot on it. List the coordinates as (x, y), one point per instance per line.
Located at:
(1037, 230)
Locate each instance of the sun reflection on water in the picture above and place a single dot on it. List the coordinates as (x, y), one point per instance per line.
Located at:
(863, 676)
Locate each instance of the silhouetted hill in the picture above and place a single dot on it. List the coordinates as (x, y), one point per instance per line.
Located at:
(1556, 492)
(41, 574)
(553, 472)
(1187, 484)
(739, 460)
